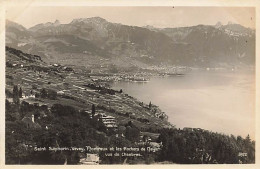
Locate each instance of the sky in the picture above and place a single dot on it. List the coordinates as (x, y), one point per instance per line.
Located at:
(137, 16)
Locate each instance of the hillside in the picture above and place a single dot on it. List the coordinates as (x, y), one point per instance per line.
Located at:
(78, 88)
(222, 44)
(54, 112)
(88, 41)
(15, 55)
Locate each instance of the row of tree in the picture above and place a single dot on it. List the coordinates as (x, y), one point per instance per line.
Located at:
(204, 147)
(44, 93)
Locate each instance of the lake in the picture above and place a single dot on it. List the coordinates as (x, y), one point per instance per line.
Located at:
(219, 101)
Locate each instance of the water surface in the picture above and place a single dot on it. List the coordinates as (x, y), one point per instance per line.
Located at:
(214, 100)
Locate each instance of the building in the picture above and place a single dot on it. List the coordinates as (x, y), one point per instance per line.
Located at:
(109, 121)
(28, 96)
(197, 129)
(89, 113)
(29, 121)
(60, 93)
(90, 159)
(188, 129)
(156, 145)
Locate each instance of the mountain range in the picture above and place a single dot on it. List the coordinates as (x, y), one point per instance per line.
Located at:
(95, 41)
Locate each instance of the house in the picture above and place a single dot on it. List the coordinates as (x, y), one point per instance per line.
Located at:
(25, 96)
(29, 121)
(155, 145)
(109, 121)
(120, 135)
(187, 129)
(31, 96)
(60, 92)
(10, 100)
(90, 159)
(197, 129)
(89, 113)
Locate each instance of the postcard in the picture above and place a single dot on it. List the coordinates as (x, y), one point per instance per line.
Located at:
(129, 83)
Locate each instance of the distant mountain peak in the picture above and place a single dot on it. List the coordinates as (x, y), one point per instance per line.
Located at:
(14, 24)
(149, 26)
(57, 22)
(92, 19)
(44, 25)
(152, 28)
(98, 18)
(96, 37)
(218, 25)
(230, 23)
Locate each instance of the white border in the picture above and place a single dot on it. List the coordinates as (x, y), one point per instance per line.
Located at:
(26, 3)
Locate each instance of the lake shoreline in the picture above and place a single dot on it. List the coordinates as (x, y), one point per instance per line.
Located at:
(203, 91)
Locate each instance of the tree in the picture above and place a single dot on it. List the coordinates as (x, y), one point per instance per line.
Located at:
(129, 124)
(93, 111)
(132, 134)
(145, 138)
(16, 99)
(43, 93)
(173, 151)
(113, 69)
(24, 108)
(15, 90)
(16, 153)
(121, 130)
(34, 86)
(37, 95)
(20, 93)
(52, 94)
(7, 105)
(248, 140)
(150, 104)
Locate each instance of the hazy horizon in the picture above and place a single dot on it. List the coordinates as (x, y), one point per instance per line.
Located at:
(123, 24)
(160, 17)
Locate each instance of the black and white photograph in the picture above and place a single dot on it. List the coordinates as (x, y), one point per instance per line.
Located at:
(102, 85)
